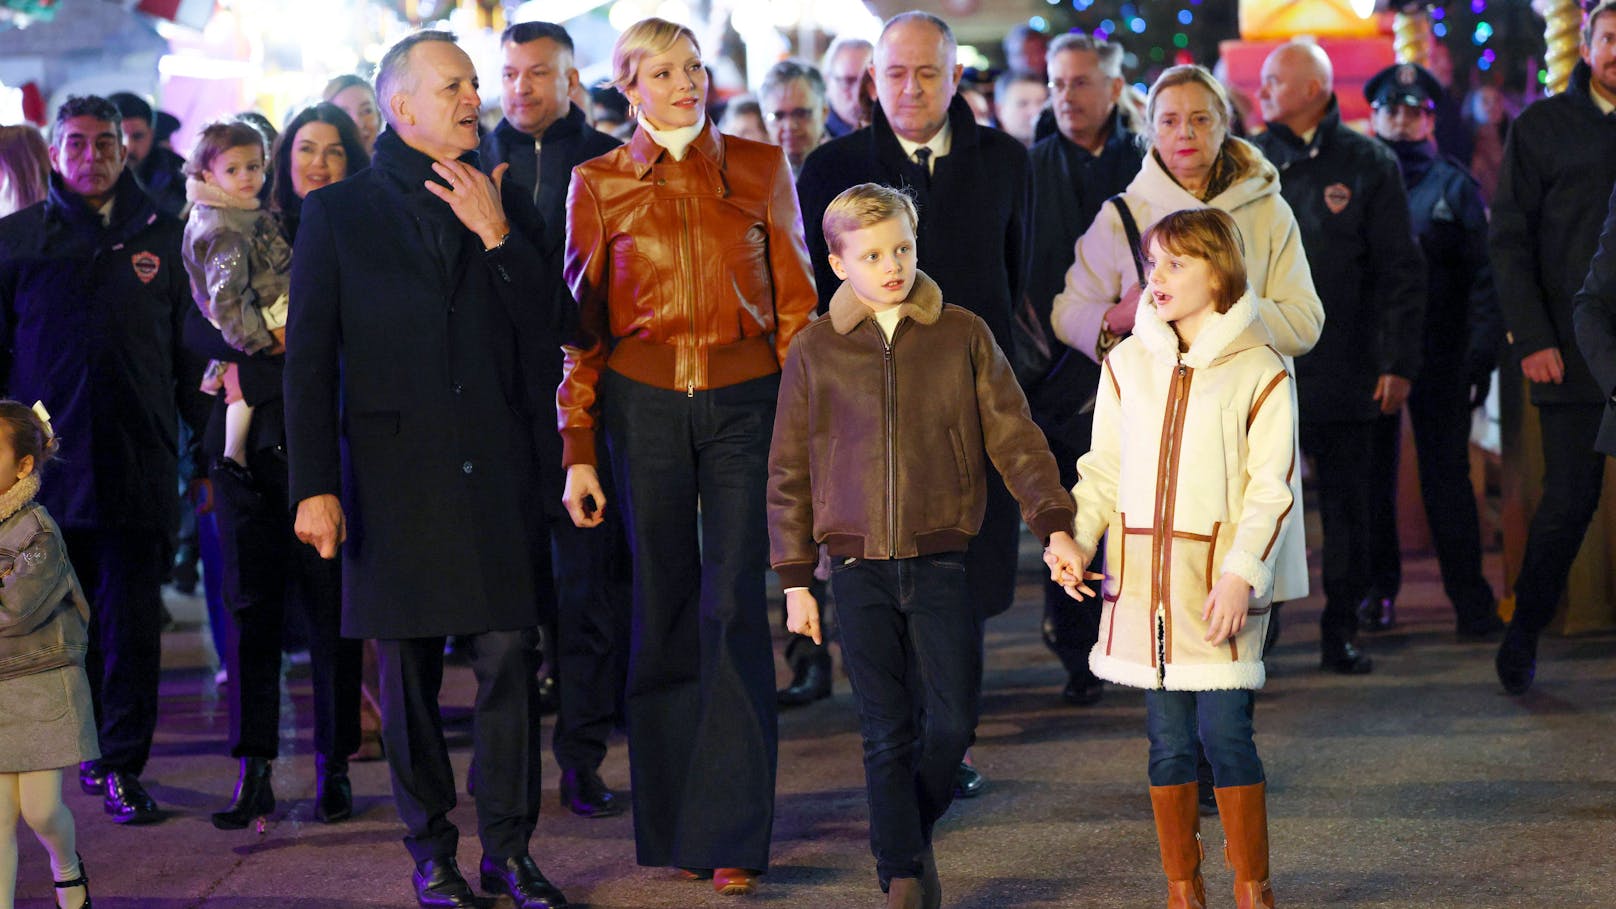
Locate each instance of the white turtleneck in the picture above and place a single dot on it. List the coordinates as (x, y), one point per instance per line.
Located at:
(676, 141)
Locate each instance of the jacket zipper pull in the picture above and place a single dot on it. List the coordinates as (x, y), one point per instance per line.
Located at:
(690, 389)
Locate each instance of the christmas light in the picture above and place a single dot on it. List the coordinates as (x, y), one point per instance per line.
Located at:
(1185, 17)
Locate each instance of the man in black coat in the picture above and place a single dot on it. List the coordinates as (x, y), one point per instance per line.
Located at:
(1462, 334)
(972, 186)
(542, 137)
(1349, 202)
(161, 170)
(1559, 166)
(417, 317)
(1090, 157)
(93, 298)
(1594, 316)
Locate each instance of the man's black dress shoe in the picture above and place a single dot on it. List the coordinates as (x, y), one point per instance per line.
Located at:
(92, 779)
(810, 683)
(333, 793)
(438, 882)
(585, 794)
(254, 798)
(1083, 690)
(1517, 660)
(1342, 656)
(968, 782)
(126, 800)
(520, 879)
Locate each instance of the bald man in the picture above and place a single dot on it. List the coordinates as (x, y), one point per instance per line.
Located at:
(1349, 200)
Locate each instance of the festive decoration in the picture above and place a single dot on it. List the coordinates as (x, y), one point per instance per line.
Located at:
(1274, 20)
(1411, 30)
(1563, 20)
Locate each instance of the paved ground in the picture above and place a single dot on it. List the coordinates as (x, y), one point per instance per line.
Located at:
(1419, 786)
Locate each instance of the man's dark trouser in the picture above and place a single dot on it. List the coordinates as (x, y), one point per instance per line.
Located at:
(594, 592)
(1439, 411)
(1573, 474)
(122, 572)
(266, 571)
(912, 645)
(1345, 476)
(1071, 627)
(504, 742)
(703, 741)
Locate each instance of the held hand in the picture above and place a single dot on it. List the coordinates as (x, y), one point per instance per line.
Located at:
(1119, 318)
(1392, 392)
(320, 524)
(1066, 566)
(802, 615)
(1544, 367)
(1225, 610)
(583, 498)
(474, 198)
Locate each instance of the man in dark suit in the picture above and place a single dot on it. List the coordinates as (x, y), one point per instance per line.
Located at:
(1089, 158)
(409, 423)
(1594, 315)
(972, 186)
(161, 170)
(542, 137)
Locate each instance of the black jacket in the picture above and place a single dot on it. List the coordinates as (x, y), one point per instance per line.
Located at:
(1464, 329)
(1348, 197)
(162, 175)
(1594, 316)
(1559, 166)
(409, 352)
(568, 142)
(973, 217)
(90, 323)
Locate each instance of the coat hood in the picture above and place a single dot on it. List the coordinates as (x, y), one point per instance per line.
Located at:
(1158, 187)
(1223, 335)
(924, 304)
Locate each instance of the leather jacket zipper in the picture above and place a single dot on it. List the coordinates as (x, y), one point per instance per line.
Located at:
(690, 303)
(891, 417)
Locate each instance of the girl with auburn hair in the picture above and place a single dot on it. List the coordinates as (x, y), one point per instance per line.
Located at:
(686, 256)
(24, 168)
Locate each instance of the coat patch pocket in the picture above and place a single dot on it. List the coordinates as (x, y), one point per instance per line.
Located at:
(36, 698)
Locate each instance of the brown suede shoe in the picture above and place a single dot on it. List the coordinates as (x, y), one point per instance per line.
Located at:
(734, 881)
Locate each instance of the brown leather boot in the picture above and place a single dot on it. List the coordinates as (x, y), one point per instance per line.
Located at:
(905, 893)
(1245, 828)
(1178, 832)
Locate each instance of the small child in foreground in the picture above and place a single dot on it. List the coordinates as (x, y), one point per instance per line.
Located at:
(889, 411)
(238, 261)
(1188, 482)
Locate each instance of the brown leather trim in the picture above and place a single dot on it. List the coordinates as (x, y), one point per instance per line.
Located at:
(657, 364)
(1138, 531)
(1211, 551)
(1114, 386)
(1272, 383)
(1197, 537)
(1163, 465)
(1170, 508)
(1234, 650)
(1263, 611)
(1284, 514)
(1122, 574)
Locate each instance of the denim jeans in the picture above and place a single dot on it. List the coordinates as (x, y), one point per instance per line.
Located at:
(912, 645)
(1223, 719)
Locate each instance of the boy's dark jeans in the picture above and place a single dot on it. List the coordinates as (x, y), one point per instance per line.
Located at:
(1223, 719)
(912, 645)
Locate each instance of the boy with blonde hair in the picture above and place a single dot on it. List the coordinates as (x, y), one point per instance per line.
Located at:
(889, 410)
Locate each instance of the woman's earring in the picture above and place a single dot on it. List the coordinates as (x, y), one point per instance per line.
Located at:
(633, 111)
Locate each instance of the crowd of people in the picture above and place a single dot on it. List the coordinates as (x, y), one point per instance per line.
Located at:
(553, 396)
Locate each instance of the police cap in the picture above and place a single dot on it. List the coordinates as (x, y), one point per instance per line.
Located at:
(1405, 83)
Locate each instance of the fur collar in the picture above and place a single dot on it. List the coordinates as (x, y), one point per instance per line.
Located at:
(201, 193)
(1223, 334)
(18, 496)
(924, 304)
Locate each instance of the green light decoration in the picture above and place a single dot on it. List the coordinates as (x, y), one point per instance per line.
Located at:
(38, 10)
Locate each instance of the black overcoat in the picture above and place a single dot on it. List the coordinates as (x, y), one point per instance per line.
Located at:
(406, 392)
(1594, 315)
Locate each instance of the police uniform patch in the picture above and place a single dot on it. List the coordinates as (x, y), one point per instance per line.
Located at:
(146, 265)
(1406, 74)
(1336, 197)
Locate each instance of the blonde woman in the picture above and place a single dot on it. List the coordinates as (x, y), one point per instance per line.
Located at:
(686, 255)
(24, 168)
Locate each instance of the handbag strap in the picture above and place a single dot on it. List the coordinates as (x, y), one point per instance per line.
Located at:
(1131, 228)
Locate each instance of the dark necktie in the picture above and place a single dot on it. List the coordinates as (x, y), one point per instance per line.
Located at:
(923, 158)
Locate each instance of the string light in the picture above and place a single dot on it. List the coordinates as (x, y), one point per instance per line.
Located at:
(1185, 17)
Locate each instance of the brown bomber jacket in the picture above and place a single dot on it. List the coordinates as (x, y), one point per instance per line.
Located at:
(880, 450)
(689, 275)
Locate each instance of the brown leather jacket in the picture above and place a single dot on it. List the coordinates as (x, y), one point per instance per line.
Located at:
(880, 449)
(688, 274)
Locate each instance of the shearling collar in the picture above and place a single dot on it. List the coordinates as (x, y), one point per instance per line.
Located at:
(924, 304)
(18, 496)
(203, 193)
(1223, 334)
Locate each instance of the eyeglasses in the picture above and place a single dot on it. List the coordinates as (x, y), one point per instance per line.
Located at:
(796, 115)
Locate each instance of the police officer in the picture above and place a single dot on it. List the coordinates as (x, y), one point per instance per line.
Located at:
(1462, 333)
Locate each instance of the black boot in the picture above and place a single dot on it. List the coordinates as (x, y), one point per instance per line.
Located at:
(1339, 654)
(810, 683)
(254, 797)
(333, 794)
(1517, 659)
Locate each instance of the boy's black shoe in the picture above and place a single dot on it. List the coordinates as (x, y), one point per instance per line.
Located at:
(968, 782)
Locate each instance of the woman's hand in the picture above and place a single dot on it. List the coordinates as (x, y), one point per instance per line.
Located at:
(1225, 610)
(1120, 317)
(802, 614)
(474, 198)
(583, 498)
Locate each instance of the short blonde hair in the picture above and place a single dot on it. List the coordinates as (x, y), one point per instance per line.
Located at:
(645, 38)
(864, 205)
(1211, 235)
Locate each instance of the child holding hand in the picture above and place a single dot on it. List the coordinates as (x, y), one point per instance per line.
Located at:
(889, 410)
(1188, 482)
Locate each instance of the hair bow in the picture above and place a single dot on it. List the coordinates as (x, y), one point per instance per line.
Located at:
(45, 418)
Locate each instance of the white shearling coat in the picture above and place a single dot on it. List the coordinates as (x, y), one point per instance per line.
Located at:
(1281, 284)
(1189, 477)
